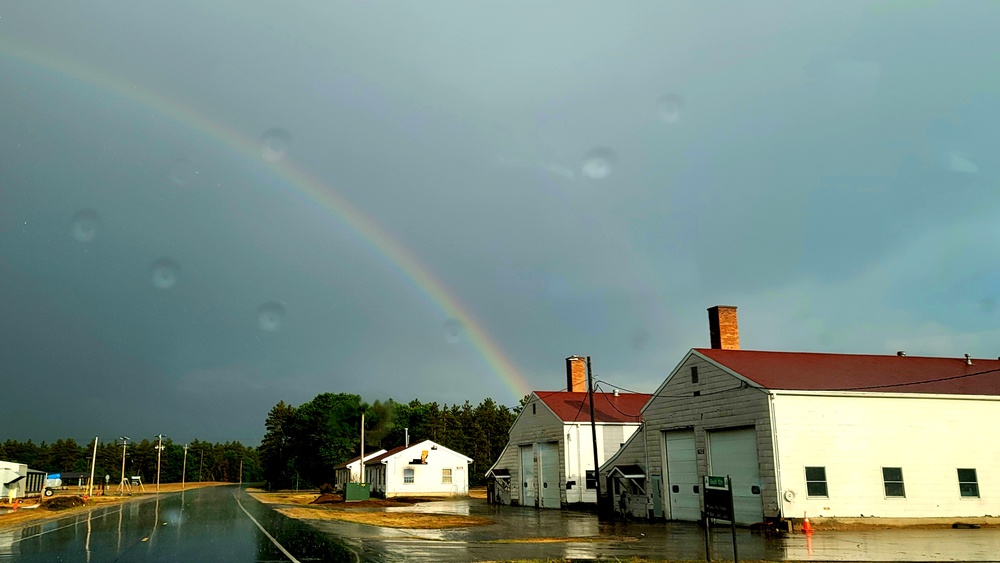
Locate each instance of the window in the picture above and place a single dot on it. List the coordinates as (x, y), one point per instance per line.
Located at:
(591, 479)
(968, 484)
(446, 476)
(694, 374)
(407, 475)
(532, 408)
(892, 478)
(816, 482)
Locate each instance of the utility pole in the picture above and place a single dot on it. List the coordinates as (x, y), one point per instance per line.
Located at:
(93, 462)
(241, 471)
(593, 433)
(159, 450)
(121, 486)
(361, 477)
(202, 464)
(185, 466)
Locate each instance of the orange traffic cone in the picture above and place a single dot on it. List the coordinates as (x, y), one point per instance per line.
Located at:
(17, 503)
(806, 526)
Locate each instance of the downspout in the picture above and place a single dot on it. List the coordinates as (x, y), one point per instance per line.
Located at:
(777, 458)
(649, 483)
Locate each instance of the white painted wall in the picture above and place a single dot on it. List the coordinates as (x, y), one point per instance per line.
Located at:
(579, 453)
(855, 435)
(575, 448)
(8, 472)
(427, 478)
(352, 473)
(722, 403)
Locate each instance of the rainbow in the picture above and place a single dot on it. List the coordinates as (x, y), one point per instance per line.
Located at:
(299, 184)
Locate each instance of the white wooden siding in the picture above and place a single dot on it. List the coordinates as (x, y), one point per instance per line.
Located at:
(576, 454)
(723, 403)
(853, 437)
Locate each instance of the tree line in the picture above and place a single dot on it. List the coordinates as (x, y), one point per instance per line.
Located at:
(206, 461)
(303, 444)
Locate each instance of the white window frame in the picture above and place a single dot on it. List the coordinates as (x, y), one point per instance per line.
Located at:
(446, 477)
(408, 476)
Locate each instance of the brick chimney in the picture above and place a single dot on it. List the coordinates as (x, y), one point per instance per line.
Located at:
(723, 327)
(576, 374)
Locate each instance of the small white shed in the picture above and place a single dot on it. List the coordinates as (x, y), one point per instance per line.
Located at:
(350, 471)
(423, 469)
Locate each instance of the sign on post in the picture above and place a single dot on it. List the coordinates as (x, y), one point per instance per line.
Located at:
(719, 504)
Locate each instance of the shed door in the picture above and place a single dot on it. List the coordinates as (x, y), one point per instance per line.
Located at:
(682, 475)
(548, 452)
(528, 482)
(734, 452)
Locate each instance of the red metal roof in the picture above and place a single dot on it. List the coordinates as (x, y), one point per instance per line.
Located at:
(806, 371)
(575, 407)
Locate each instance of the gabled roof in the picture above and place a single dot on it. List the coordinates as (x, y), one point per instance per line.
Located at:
(807, 371)
(353, 460)
(628, 471)
(608, 407)
(417, 447)
(384, 455)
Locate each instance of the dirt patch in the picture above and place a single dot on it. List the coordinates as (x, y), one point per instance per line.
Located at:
(477, 492)
(407, 520)
(331, 501)
(284, 497)
(63, 502)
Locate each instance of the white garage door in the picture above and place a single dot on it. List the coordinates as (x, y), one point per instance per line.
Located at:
(682, 475)
(734, 452)
(548, 452)
(528, 481)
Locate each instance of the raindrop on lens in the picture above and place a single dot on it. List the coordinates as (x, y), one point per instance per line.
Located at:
(669, 108)
(274, 144)
(86, 223)
(961, 164)
(164, 273)
(452, 331)
(597, 163)
(270, 316)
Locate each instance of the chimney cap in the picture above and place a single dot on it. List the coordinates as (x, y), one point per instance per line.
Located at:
(968, 359)
(901, 353)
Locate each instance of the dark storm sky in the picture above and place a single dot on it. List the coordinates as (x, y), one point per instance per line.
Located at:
(584, 178)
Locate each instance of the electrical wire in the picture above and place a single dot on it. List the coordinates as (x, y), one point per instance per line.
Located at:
(608, 399)
(908, 383)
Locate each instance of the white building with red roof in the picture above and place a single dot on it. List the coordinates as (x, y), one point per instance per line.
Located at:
(831, 435)
(549, 459)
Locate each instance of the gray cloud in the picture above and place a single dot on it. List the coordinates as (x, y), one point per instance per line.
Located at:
(829, 168)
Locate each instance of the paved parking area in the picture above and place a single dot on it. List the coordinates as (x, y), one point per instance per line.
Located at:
(631, 539)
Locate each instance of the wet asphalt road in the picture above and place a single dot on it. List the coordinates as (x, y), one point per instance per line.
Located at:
(205, 524)
(223, 524)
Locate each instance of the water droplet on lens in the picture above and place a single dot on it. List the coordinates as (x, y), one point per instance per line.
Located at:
(274, 144)
(960, 163)
(164, 273)
(453, 331)
(182, 172)
(86, 223)
(669, 108)
(270, 316)
(597, 163)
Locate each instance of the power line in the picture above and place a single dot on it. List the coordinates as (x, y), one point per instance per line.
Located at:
(908, 383)
(623, 413)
